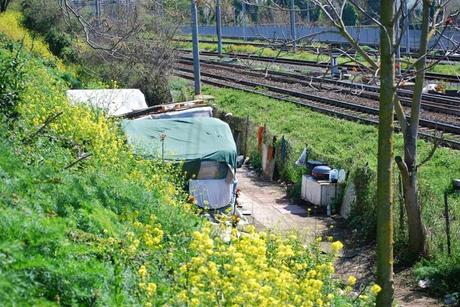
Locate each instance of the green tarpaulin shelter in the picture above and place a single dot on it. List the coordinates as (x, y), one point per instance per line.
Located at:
(191, 140)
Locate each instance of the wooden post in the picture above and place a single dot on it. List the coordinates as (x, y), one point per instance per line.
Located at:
(246, 138)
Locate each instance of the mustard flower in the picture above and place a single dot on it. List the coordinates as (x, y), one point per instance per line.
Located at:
(351, 280)
(336, 246)
(375, 289)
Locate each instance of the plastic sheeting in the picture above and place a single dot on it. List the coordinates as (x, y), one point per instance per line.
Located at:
(193, 112)
(212, 193)
(185, 139)
(114, 101)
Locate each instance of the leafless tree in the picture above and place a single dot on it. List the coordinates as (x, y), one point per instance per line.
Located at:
(132, 44)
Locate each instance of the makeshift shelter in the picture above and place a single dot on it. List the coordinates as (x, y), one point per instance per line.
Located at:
(115, 102)
(204, 145)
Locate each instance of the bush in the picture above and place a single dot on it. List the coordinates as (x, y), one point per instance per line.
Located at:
(39, 19)
(11, 79)
(442, 274)
(60, 44)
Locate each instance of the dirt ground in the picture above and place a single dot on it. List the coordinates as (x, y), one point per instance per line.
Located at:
(266, 205)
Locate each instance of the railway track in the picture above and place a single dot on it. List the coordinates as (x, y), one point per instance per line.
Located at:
(448, 58)
(430, 102)
(339, 108)
(428, 75)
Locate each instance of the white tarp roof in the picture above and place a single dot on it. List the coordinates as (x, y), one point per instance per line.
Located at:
(113, 101)
(193, 112)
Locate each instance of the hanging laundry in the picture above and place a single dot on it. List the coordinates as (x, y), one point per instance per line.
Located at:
(283, 148)
(260, 137)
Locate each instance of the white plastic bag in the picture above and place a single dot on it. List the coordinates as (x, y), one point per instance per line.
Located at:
(302, 161)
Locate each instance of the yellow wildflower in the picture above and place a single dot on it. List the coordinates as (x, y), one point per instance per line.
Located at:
(336, 246)
(151, 289)
(375, 289)
(351, 280)
(143, 271)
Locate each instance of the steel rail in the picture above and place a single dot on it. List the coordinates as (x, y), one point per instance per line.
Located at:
(450, 108)
(282, 46)
(428, 75)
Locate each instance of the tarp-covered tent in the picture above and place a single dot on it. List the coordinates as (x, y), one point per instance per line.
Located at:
(193, 141)
(186, 139)
(114, 101)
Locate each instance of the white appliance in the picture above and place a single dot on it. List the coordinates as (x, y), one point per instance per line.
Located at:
(319, 192)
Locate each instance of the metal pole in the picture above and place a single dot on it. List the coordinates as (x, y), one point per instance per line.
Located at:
(398, 48)
(293, 27)
(308, 12)
(446, 216)
(196, 50)
(243, 14)
(406, 27)
(219, 27)
(98, 12)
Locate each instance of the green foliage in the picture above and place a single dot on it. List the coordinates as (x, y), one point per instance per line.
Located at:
(363, 211)
(10, 27)
(442, 274)
(60, 44)
(64, 233)
(37, 18)
(78, 236)
(11, 79)
(349, 15)
(73, 82)
(48, 23)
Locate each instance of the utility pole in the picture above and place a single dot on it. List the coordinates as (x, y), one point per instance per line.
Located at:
(399, 41)
(98, 12)
(406, 27)
(219, 27)
(293, 27)
(243, 18)
(196, 50)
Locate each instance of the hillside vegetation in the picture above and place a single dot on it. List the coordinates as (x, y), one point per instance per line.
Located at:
(84, 222)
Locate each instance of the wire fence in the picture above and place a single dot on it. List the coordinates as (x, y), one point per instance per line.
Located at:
(369, 36)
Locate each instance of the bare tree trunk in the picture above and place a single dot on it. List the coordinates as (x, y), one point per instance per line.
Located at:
(408, 167)
(385, 157)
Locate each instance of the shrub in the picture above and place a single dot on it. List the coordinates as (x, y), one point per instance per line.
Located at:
(11, 79)
(442, 274)
(39, 19)
(60, 44)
